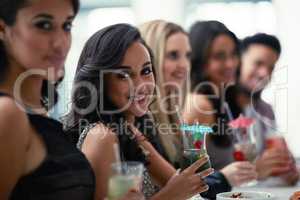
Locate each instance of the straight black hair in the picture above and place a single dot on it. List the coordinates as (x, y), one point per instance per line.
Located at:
(270, 41)
(202, 34)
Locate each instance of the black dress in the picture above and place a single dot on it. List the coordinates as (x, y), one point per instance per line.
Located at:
(64, 174)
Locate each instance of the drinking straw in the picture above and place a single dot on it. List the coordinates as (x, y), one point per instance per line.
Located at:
(204, 137)
(228, 111)
(230, 116)
(117, 156)
(185, 141)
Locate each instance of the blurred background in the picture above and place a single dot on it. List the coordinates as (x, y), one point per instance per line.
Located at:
(243, 17)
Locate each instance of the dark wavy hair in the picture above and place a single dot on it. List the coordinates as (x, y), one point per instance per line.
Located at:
(8, 13)
(202, 34)
(105, 50)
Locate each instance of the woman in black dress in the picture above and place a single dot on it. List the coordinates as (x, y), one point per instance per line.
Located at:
(36, 161)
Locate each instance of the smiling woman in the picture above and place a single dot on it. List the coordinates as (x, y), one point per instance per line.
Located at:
(117, 66)
(138, 70)
(37, 162)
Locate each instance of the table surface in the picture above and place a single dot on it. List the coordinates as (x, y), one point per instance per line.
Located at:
(272, 186)
(281, 193)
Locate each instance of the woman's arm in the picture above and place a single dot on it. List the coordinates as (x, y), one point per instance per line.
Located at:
(160, 170)
(14, 140)
(98, 148)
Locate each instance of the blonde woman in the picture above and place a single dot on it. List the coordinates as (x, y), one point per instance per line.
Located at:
(171, 48)
(172, 51)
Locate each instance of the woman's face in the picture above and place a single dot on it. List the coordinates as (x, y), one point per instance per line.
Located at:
(258, 63)
(131, 86)
(40, 37)
(177, 60)
(223, 60)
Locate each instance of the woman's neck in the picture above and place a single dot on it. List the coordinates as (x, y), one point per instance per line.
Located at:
(25, 90)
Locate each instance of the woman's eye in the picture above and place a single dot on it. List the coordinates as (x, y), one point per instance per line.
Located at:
(258, 63)
(147, 71)
(67, 26)
(123, 75)
(173, 55)
(45, 25)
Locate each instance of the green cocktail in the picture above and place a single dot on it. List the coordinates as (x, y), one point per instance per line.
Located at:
(192, 155)
(194, 144)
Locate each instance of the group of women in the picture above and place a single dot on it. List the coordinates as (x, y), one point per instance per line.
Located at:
(130, 82)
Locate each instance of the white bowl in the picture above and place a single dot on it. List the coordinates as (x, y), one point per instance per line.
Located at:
(247, 195)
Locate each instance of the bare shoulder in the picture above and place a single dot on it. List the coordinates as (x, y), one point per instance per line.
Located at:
(98, 149)
(99, 135)
(12, 119)
(198, 108)
(14, 141)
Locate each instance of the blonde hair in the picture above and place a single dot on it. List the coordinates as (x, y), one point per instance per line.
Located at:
(155, 33)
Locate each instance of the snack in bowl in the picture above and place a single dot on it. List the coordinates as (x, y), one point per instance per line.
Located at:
(237, 195)
(245, 195)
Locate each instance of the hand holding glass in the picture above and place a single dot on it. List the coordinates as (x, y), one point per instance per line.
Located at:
(124, 177)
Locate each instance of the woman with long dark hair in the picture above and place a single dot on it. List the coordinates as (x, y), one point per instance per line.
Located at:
(215, 58)
(113, 88)
(37, 162)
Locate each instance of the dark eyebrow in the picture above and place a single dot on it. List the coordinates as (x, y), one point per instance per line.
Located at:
(125, 67)
(51, 17)
(44, 16)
